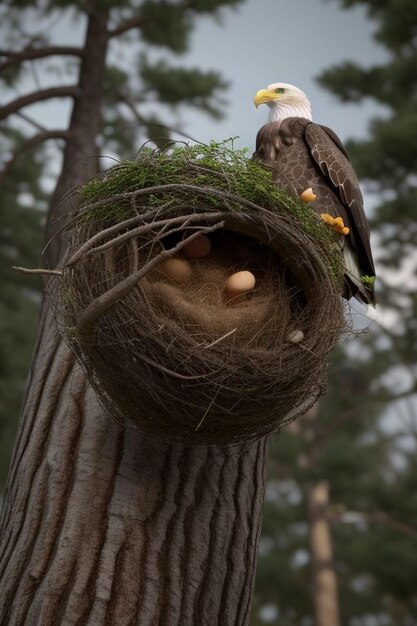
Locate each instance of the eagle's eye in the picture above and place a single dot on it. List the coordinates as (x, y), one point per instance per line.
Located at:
(279, 90)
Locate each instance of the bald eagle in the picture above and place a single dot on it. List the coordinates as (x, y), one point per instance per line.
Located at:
(302, 155)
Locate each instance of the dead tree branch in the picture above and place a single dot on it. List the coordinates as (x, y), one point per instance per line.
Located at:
(31, 143)
(37, 96)
(375, 517)
(31, 54)
(123, 27)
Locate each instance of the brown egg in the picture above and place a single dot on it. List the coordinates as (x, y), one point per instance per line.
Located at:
(239, 284)
(177, 270)
(198, 248)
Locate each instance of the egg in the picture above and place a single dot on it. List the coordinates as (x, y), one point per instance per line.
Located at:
(238, 284)
(308, 195)
(198, 248)
(177, 269)
(295, 336)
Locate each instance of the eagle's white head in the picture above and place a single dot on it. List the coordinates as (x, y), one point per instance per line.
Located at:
(284, 100)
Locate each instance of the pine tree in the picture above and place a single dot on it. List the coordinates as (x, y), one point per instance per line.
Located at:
(387, 163)
(22, 209)
(128, 118)
(99, 524)
(366, 458)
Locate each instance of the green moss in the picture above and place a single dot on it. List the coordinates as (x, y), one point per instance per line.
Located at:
(216, 165)
(368, 280)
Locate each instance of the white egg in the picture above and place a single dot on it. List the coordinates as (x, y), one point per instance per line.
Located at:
(177, 270)
(239, 284)
(198, 248)
(295, 336)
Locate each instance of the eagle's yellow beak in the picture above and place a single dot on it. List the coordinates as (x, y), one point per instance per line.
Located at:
(265, 95)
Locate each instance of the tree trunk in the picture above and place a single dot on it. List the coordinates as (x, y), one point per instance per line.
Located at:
(101, 526)
(325, 595)
(80, 156)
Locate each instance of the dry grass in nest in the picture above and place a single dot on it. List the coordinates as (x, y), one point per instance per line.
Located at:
(176, 360)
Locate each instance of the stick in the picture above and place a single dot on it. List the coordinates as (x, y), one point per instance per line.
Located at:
(26, 270)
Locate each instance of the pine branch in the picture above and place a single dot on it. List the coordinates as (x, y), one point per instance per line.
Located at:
(30, 120)
(30, 143)
(325, 433)
(37, 96)
(138, 21)
(30, 54)
(123, 27)
(375, 517)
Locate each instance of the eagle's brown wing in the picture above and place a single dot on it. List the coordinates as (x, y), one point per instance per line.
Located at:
(329, 154)
(303, 154)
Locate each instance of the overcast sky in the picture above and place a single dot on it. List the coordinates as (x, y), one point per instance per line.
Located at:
(262, 41)
(267, 41)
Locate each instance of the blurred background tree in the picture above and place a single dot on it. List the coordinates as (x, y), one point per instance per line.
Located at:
(363, 444)
(141, 100)
(22, 210)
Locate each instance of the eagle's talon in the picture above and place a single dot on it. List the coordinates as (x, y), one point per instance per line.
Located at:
(308, 195)
(336, 223)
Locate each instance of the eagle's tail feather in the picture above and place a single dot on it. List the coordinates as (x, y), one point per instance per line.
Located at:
(354, 287)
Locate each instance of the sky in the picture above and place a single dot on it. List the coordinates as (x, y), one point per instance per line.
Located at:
(260, 42)
(292, 41)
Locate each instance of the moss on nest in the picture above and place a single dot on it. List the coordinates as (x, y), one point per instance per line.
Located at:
(216, 166)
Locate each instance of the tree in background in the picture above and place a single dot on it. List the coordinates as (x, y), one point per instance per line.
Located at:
(22, 209)
(138, 96)
(371, 510)
(363, 445)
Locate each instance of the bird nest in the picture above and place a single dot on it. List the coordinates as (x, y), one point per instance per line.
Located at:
(172, 356)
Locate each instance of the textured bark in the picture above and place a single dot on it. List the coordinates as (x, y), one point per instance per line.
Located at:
(81, 154)
(102, 526)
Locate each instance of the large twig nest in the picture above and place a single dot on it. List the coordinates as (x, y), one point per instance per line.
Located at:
(175, 358)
